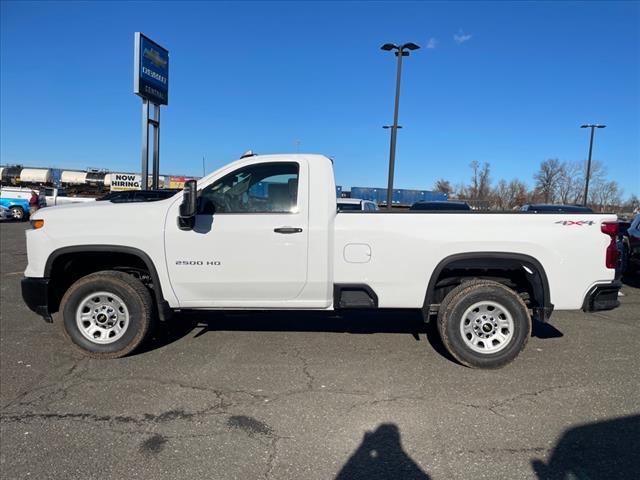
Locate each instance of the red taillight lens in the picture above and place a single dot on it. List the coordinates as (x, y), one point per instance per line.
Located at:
(611, 229)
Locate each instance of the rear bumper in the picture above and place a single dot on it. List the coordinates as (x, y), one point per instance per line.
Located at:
(602, 297)
(35, 293)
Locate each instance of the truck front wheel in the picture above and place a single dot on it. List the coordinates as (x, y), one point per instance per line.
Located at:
(106, 314)
(484, 324)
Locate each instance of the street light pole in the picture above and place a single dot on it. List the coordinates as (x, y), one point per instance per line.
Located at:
(593, 127)
(400, 51)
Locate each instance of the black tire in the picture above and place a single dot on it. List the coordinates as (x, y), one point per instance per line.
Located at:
(451, 316)
(136, 298)
(17, 213)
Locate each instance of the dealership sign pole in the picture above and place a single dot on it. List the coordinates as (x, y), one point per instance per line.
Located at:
(151, 82)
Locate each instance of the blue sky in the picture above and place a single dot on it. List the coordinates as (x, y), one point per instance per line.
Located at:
(507, 83)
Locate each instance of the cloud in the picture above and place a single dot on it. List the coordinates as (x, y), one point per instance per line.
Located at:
(461, 37)
(432, 43)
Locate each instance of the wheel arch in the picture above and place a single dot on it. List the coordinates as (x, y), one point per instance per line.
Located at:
(164, 311)
(496, 261)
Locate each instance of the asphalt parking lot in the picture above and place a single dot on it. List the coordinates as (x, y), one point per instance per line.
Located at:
(316, 396)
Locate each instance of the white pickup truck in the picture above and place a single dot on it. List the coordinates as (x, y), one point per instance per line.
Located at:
(54, 196)
(263, 233)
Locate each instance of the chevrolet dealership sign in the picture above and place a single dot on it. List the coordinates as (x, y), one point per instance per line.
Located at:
(151, 70)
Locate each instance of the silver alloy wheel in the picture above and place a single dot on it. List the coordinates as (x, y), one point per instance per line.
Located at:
(102, 317)
(17, 213)
(487, 327)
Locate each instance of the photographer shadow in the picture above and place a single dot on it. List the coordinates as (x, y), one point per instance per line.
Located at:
(380, 456)
(609, 449)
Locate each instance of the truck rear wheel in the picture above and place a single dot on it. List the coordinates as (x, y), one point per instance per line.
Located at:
(484, 324)
(106, 314)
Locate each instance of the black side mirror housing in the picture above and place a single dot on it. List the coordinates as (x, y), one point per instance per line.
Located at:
(188, 207)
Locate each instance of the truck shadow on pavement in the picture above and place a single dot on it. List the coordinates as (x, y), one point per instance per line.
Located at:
(380, 456)
(359, 322)
(609, 449)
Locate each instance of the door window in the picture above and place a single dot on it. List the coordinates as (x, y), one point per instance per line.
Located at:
(260, 188)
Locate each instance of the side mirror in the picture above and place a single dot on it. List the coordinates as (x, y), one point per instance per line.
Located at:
(188, 209)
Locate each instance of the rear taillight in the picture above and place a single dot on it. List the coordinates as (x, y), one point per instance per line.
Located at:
(611, 229)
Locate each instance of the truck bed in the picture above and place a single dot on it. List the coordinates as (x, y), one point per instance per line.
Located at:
(371, 247)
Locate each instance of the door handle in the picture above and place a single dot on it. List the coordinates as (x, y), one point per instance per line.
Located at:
(287, 230)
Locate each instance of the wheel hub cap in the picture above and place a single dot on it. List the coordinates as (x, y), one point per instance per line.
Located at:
(102, 317)
(487, 327)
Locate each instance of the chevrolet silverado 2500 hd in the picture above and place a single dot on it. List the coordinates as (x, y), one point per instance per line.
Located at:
(263, 233)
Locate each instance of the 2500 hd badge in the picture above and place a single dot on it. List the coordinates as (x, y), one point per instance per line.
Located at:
(192, 263)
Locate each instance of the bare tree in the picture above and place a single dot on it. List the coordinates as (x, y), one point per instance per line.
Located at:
(472, 191)
(597, 175)
(501, 195)
(555, 181)
(443, 186)
(480, 188)
(547, 179)
(605, 195)
(632, 204)
(460, 191)
(484, 188)
(518, 193)
(570, 183)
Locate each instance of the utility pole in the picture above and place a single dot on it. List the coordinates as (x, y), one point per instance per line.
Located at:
(593, 127)
(399, 51)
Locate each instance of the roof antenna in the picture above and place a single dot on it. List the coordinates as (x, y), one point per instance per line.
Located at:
(248, 153)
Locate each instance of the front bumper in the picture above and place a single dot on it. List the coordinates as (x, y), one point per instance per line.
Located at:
(35, 293)
(602, 297)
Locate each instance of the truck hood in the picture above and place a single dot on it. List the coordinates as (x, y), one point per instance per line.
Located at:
(66, 206)
(100, 211)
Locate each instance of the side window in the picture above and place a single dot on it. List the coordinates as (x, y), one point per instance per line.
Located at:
(260, 188)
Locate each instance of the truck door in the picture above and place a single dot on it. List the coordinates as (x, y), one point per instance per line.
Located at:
(249, 244)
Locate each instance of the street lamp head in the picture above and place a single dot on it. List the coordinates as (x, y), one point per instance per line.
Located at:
(410, 46)
(391, 126)
(593, 125)
(388, 46)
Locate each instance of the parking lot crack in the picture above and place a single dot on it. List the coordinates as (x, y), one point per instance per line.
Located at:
(273, 458)
(143, 419)
(224, 396)
(379, 401)
(494, 407)
(310, 380)
(397, 398)
(56, 389)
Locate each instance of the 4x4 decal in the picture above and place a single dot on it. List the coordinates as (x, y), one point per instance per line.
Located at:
(575, 222)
